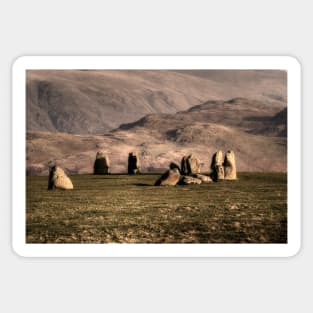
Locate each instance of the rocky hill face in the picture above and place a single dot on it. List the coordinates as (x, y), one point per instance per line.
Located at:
(96, 101)
(272, 126)
(242, 113)
(252, 128)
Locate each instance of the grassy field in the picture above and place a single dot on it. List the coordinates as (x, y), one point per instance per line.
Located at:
(129, 209)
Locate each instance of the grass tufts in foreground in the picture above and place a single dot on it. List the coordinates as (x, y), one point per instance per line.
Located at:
(129, 209)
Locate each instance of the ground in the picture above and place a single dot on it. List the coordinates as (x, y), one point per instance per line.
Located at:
(129, 209)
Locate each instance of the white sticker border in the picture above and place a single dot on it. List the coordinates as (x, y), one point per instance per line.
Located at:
(290, 64)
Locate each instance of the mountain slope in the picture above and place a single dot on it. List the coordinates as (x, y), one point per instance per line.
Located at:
(242, 113)
(273, 126)
(95, 101)
(164, 138)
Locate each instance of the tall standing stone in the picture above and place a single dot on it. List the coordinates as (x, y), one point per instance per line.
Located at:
(133, 163)
(101, 165)
(217, 166)
(230, 166)
(190, 165)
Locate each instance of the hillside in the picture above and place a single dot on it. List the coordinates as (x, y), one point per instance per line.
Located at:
(161, 138)
(272, 126)
(242, 113)
(96, 101)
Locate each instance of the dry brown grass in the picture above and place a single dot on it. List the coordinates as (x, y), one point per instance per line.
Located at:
(129, 209)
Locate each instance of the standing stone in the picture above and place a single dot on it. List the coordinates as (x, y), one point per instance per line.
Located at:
(101, 165)
(58, 179)
(133, 163)
(190, 165)
(219, 173)
(194, 165)
(169, 178)
(217, 166)
(217, 159)
(174, 165)
(230, 166)
(184, 166)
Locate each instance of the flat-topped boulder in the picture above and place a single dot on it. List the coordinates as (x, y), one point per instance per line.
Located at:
(203, 178)
(189, 180)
